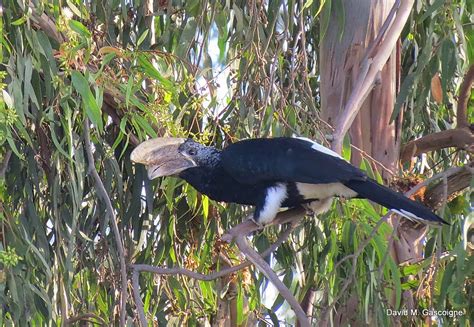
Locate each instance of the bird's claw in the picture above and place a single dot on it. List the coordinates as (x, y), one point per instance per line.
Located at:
(259, 225)
(309, 210)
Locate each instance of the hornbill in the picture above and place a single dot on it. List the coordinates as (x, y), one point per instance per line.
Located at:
(270, 173)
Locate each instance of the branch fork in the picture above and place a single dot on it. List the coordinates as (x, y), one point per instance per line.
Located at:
(238, 235)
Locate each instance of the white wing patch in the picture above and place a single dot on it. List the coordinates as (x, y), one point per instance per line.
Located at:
(273, 200)
(319, 147)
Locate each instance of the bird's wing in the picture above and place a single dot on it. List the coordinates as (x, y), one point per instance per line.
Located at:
(286, 159)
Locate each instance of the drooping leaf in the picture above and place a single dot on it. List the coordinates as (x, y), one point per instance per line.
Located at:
(91, 108)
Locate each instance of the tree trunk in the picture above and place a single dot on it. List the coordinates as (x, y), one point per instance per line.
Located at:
(371, 131)
(372, 135)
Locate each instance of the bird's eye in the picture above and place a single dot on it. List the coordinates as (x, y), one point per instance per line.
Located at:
(192, 152)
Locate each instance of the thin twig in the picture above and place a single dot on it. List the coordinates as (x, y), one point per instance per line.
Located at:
(101, 191)
(85, 317)
(214, 275)
(138, 300)
(293, 216)
(375, 161)
(448, 172)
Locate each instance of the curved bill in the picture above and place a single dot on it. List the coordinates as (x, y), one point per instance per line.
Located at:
(161, 156)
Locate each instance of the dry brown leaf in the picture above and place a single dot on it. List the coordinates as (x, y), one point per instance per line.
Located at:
(436, 89)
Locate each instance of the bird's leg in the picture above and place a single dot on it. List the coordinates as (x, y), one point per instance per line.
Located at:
(319, 206)
(260, 225)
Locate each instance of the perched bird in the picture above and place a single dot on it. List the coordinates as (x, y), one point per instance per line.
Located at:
(271, 173)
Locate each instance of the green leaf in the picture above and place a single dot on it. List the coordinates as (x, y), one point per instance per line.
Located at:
(142, 37)
(325, 20)
(470, 45)
(79, 28)
(128, 92)
(308, 3)
(19, 21)
(448, 275)
(205, 207)
(434, 7)
(153, 72)
(12, 144)
(76, 10)
(240, 306)
(145, 125)
(405, 91)
(89, 102)
(448, 64)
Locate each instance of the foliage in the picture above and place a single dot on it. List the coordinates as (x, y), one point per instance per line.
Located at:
(219, 72)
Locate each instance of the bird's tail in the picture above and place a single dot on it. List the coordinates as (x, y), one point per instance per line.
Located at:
(395, 201)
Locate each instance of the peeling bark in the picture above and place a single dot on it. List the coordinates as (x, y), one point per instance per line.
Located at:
(341, 59)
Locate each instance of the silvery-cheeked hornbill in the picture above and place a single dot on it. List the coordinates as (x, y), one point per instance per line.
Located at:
(271, 173)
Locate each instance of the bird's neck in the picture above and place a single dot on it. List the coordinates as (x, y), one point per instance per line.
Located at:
(211, 179)
(203, 176)
(207, 179)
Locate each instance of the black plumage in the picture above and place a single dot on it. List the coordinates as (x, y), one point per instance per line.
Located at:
(271, 173)
(285, 159)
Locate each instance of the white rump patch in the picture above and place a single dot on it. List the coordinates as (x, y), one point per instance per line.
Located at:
(319, 147)
(322, 191)
(273, 200)
(319, 206)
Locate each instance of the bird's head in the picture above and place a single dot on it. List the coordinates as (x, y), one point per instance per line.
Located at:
(166, 156)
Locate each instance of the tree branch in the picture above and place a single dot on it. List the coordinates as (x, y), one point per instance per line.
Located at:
(456, 182)
(463, 99)
(238, 234)
(265, 268)
(46, 24)
(307, 303)
(248, 226)
(88, 317)
(459, 137)
(370, 68)
(101, 191)
(447, 173)
(292, 216)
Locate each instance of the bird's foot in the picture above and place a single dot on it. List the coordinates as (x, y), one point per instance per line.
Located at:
(317, 207)
(308, 209)
(259, 224)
